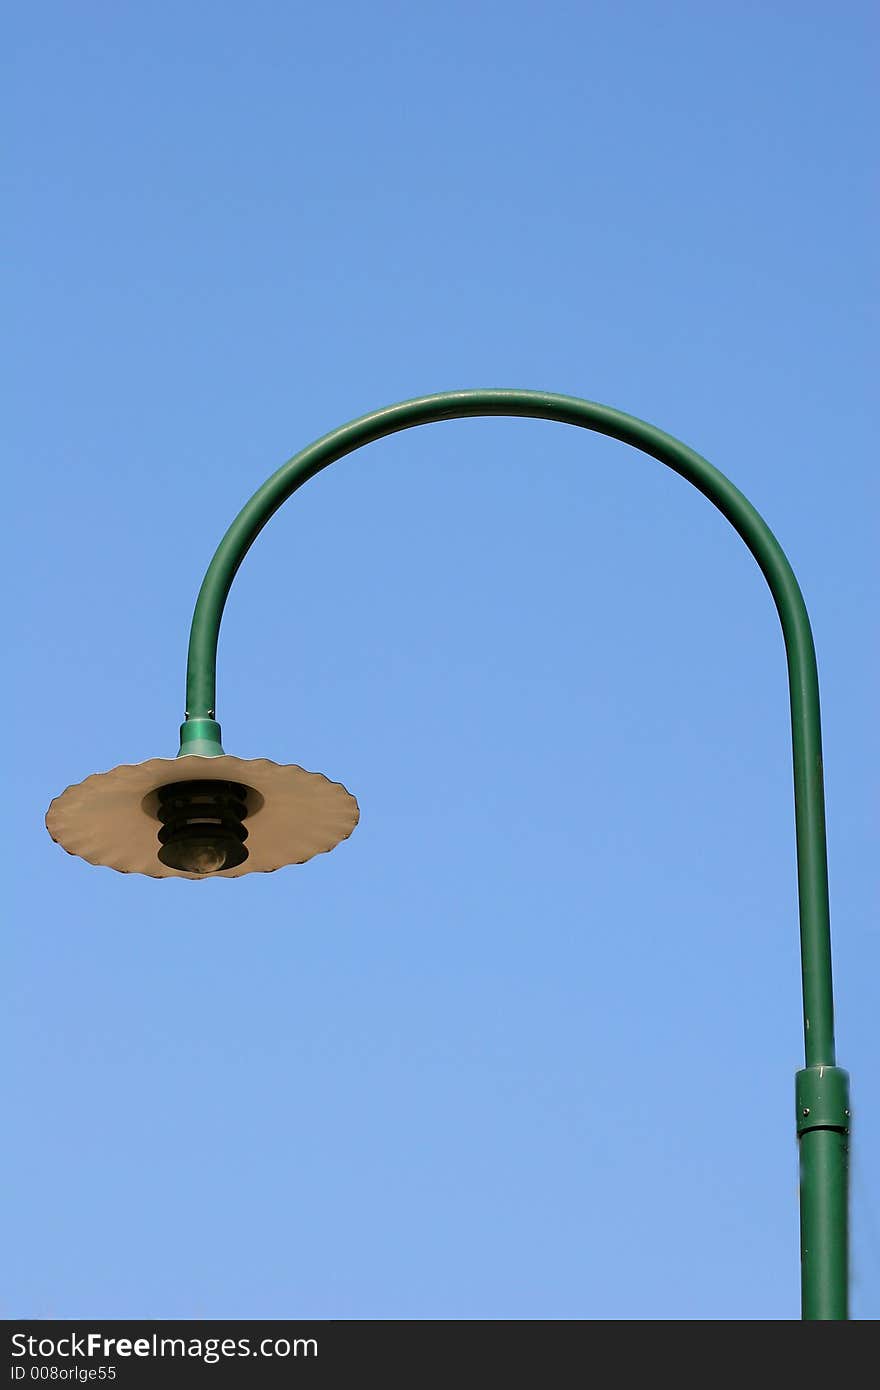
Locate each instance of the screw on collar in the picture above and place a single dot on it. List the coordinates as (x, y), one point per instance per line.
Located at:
(822, 1099)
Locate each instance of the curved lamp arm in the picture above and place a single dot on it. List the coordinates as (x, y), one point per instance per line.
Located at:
(823, 1114)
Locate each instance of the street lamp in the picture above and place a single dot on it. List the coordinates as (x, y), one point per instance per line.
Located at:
(206, 814)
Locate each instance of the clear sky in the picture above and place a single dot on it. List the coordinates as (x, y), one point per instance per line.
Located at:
(524, 1046)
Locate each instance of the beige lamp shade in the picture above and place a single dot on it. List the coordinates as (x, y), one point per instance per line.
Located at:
(112, 817)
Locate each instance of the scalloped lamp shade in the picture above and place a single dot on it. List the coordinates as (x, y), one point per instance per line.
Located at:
(112, 818)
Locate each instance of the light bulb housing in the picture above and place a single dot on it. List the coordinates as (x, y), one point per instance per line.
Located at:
(203, 829)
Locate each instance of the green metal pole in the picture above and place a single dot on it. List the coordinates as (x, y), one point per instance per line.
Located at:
(822, 1095)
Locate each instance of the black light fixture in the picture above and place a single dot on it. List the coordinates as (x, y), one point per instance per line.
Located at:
(203, 827)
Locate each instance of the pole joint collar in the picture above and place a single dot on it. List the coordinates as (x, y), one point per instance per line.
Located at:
(200, 736)
(822, 1099)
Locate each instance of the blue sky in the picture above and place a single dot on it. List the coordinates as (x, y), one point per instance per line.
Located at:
(524, 1046)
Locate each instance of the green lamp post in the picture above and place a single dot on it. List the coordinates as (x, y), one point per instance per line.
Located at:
(207, 814)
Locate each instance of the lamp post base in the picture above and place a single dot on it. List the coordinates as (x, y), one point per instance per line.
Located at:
(823, 1122)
